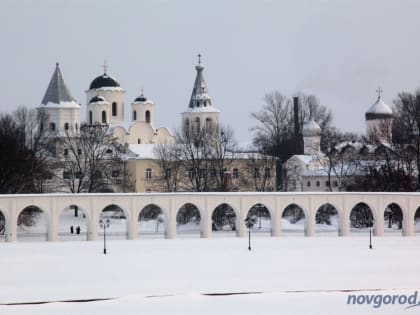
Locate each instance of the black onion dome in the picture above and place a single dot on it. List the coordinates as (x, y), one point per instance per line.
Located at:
(96, 99)
(141, 98)
(103, 81)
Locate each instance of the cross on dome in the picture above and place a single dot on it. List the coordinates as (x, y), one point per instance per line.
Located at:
(105, 66)
(379, 91)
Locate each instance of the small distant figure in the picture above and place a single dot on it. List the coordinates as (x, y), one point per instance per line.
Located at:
(78, 230)
(72, 229)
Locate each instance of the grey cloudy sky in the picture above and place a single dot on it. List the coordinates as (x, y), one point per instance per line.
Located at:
(340, 51)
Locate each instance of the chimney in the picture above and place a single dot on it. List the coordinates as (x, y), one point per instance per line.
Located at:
(296, 122)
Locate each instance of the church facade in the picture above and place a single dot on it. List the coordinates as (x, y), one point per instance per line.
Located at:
(105, 105)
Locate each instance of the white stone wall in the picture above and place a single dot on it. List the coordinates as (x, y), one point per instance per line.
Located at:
(170, 203)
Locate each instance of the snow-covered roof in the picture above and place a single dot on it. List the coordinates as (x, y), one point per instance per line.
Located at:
(311, 128)
(379, 108)
(72, 104)
(203, 109)
(58, 94)
(142, 151)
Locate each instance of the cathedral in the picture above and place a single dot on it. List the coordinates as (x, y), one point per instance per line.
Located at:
(105, 100)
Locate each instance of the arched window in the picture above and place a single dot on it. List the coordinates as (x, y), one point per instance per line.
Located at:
(90, 118)
(138, 141)
(208, 124)
(76, 126)
(104, 117)
(52, 126)
(148, 116)
(66, 126)
(134, 115)
(197, 124)
(186, 126)
(114, 109)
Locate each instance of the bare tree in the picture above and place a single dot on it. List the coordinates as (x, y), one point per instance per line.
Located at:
(274, 132)
(92, 161)
(170, 164)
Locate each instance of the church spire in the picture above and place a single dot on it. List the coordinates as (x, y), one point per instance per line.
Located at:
(57, 90)
(199, 95)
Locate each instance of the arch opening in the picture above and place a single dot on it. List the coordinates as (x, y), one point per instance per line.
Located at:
(261, 217)
(417, 221)
(73, 224)
(393, 219)
(293, 220)
(2, 227)
(151, 222)
(361, 218)
(327, 221)
(223, 220)
(32, 225)
(117, 219)
(188, 220)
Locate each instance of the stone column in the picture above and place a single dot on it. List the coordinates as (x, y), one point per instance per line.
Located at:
(52, 228)
(378, 227)
(276, 224)
(241, 230)
(205, 226)
(408, 225)
(170, 226)
(11, 223)
(310, 226)
(132, 227)
(344, 223)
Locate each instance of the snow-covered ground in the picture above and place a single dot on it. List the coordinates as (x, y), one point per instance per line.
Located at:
(290, 275)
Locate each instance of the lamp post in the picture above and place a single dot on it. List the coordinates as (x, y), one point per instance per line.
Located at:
(104, 224)
(249, 222)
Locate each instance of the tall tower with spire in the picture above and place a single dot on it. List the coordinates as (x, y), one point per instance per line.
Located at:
(379, 121)
(200, 114)
(61, 107)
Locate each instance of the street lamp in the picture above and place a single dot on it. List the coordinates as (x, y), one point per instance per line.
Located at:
(249, 222)
(104, 224)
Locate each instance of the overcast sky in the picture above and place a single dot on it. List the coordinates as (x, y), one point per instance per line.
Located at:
(340, 51)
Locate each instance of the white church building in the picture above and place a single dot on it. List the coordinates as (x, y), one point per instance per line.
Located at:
(105, 101)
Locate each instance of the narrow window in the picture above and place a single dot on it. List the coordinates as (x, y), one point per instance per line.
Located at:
(148, 173)
(168, 173)
(235, 173)
(90, 118)
(147, 118)
(308, 184)
(66, 152)
(76, 126)
(267, 173)
(114, 109)
(335, 183)
(327, 183)
(104, 117)
(134, 115)
(52, 126)
(66, 126)
(256, 172)
(138, 141)
(318, 183)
